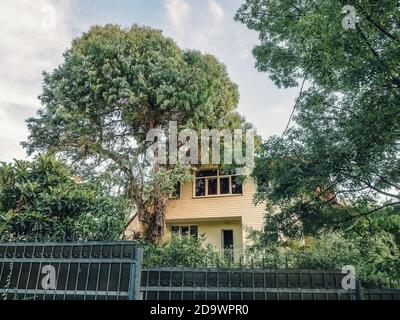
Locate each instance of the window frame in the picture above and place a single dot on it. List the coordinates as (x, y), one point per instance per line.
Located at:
(189, 226)
(218, 177)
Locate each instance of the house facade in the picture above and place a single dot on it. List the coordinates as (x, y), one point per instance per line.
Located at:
(216, 204)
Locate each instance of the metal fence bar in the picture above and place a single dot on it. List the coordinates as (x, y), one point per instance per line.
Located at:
(275, 290)
(72, 292)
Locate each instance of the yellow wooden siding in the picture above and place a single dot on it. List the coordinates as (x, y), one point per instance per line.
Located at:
(210, 208)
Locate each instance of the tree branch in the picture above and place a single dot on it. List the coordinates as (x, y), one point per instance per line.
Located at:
(369, 212)
(377, 25)
(295, 106)
(368, 184)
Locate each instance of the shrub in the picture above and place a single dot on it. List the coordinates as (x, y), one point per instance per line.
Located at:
(186, 252)
(41, 200)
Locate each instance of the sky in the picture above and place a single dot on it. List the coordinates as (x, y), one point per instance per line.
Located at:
(35, 33)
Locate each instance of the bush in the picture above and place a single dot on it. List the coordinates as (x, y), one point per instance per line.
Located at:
(186, 252)
(41, 200)
(376, 257)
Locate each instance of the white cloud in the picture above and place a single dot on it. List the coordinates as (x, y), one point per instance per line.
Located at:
(216, 9)
(195, 24)
(34, 34)
(178, 12)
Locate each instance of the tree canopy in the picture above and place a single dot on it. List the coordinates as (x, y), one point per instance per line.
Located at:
(339, 160)
(114, 86)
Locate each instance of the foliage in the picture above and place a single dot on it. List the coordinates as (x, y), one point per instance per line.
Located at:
(113, 87)
(189, 252)
(42, 200)
(345, 141)
(375, 257)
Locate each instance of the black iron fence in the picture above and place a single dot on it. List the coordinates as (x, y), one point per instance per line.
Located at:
(252, 284)
(234, 284)
(113, 271)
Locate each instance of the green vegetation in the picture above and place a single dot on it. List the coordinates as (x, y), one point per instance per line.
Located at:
(186, 252)
(375, 257)
(345, 139)
(41, 200)
(335, 172)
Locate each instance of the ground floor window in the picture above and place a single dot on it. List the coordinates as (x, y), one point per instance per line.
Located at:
(185, 231)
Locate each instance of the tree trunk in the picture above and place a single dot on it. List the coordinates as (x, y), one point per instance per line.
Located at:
(156, 227)
(150, 215)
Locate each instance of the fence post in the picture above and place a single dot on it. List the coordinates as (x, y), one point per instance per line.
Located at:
(136, 275)
(358, 290)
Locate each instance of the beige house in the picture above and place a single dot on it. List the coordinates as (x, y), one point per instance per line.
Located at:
(216, 204)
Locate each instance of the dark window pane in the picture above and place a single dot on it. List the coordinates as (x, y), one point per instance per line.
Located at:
(224, 186)
(177, 192)
(194, 231)
(207, 173)
(185, 231)
(200, 188)
(212, 186)
(175, 230)
(237, 186)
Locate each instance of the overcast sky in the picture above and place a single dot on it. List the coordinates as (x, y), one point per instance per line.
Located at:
(35, 33)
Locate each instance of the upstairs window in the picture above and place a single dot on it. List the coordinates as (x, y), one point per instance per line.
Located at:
(217, 183)
(176, 194)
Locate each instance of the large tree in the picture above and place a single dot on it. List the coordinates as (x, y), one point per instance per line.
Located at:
(113, 87)
(339, 160)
